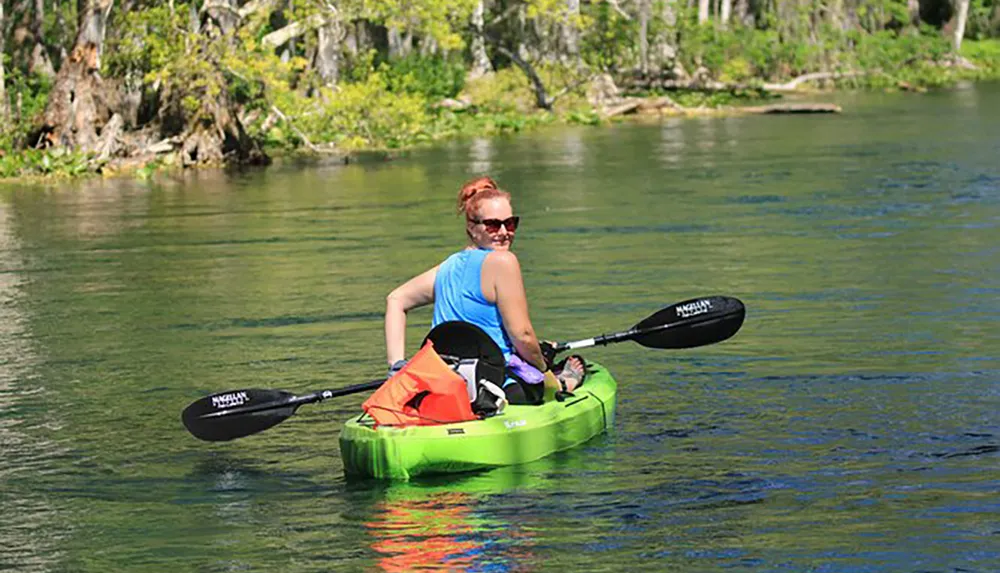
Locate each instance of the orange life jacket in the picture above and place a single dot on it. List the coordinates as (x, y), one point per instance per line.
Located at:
(426, 391)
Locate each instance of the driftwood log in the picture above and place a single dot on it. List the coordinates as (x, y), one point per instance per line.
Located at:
(667, 82)
(791, 108)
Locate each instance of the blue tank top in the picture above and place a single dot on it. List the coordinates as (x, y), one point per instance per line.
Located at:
(458, 295)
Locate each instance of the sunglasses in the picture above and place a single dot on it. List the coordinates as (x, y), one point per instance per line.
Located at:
(493, 225)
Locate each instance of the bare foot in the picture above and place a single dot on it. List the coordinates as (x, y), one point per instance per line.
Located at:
(572, 373)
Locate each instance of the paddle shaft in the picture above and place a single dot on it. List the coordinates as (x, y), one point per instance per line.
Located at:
(296, 401)
(605, 339)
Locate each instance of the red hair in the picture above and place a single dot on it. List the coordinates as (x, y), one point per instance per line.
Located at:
(477, 190)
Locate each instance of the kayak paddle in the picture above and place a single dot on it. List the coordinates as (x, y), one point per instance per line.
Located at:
(687, 324)
(238, 413)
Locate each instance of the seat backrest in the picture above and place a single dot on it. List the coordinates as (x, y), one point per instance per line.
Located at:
(466, 341)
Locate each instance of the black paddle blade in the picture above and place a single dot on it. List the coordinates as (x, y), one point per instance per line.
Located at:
(692, 323)
(237, 413)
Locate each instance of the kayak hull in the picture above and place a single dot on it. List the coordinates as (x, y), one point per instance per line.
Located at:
(518, 435)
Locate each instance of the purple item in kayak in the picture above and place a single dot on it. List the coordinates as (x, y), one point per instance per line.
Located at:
(524, 371)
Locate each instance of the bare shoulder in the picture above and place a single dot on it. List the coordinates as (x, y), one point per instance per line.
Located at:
(503, 262)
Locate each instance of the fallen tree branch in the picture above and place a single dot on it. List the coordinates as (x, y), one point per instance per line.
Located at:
(617, 8)
(791, 108)
(279, 38)
(709, 85)
(255, 6)
(628, 106)
(796, 82)
(298, 132)
(503, 15)
(163, 146)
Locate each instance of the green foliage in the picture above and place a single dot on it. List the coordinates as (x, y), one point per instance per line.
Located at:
(892, 58)
(985, 54)
(984, 19)
(433, 77)
(381, 103)
(438, 20)
(45, 163)
(33, 92)
(364, 115)
(148, 41)
(583, 117)
(506, 90)
(608, 44)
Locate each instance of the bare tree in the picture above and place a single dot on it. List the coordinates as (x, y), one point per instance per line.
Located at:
(480, 60)
(703, 6)
(40, 63)
(570, 33)
(961, 19)
(4, 104)
(398, 43)
(330, 36)
(77, 104)
(742, 12)
(644, 14)
(724, 11)
(665, 46)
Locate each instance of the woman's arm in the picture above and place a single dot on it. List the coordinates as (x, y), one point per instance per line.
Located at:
(513, 305)
(416, 292)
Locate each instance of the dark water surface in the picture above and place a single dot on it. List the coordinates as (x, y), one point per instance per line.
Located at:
(852, 425)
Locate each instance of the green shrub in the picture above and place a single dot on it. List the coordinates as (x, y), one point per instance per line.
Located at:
(985, 54)
(505, 90)
(364, 115)
(34, 94)
(46, 163)
(433, 77)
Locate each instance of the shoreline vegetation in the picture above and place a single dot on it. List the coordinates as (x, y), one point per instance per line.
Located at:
(138, 86)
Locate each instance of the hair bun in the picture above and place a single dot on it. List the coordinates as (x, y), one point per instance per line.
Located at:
(472, 188)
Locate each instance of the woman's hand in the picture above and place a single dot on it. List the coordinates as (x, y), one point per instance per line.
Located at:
(548, 352)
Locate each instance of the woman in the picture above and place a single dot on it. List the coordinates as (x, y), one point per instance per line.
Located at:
(481, 284)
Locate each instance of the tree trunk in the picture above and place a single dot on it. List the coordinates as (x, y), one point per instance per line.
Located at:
(913, 7)
(521, 31)
(703, 11)
(724, 12)
(330, 36)
(40, 63)
(429, 47)
(570, 33)
(644, 13)
(223, 13)
(742, 13)
(21, 36)
(77, 104)
(351, 41)
(480, 59)
(961, 18)
(4, 103)
(400, 45)
(665, 46)
(541, 96)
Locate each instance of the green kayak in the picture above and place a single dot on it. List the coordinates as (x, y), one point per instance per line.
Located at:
(517, 435)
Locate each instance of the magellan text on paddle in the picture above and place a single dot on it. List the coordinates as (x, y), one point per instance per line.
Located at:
(230, 400)
(694, 308)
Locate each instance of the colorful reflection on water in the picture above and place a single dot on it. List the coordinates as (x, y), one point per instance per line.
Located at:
(445, 533)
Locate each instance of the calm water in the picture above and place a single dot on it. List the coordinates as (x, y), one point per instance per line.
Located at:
(852, 425)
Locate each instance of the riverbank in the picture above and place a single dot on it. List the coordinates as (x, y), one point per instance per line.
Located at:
(375, 119)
